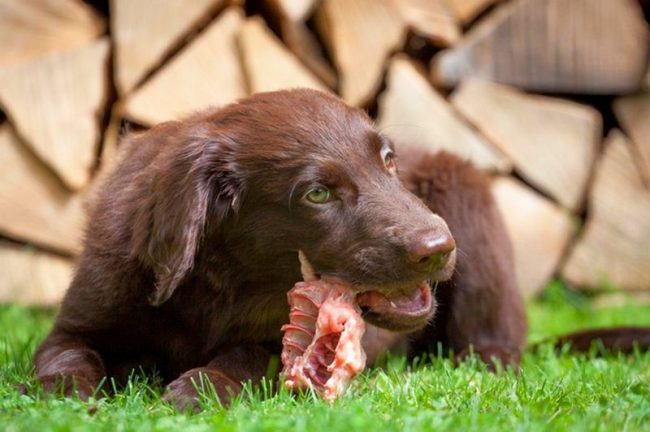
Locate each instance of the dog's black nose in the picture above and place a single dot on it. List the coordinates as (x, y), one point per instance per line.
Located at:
(429, 249)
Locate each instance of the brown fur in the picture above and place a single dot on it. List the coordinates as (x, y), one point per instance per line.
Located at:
(192, 246)
(481, 304)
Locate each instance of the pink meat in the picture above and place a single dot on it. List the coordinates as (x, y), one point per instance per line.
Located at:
(322, 342)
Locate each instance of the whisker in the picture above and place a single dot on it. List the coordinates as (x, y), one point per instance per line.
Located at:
(461, 252)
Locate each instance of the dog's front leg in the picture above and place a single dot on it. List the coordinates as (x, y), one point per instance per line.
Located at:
(66, 364)
(225, 373)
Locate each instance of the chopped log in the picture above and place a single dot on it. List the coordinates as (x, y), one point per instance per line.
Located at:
(619, 299)
(33, 278)
(268, 65)
(292, 16)
(293, 10)
(552, 142)
(111, 138)
(467, 10)
(633, 113)
(412, 112)
(108, 155)
(540, 232)
(55, 103)
(430, 19)
(614, 246)
(205, 73)
(360, 35)
(34, 206)
(578, 46)
(33, 28)
(304, 45)
(140, 44)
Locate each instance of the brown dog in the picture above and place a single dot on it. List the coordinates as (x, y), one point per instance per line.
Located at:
(192, 246)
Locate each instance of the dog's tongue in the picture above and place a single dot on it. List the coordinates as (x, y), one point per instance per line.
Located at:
(406, 303)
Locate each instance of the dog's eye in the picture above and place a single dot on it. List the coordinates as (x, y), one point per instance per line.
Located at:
(319, 195)
(389, 158)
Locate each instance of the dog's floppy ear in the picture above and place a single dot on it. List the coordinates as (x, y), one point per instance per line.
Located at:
(193, 179)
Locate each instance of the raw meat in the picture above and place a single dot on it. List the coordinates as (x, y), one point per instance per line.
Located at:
(322, 342)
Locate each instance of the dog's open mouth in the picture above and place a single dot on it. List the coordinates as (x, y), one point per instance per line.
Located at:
(322, 346)
(411, 304)
(401, 310)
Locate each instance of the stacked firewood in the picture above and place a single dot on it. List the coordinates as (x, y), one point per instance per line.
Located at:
(551, 97)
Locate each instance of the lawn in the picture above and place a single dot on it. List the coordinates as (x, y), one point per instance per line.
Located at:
(555, 391)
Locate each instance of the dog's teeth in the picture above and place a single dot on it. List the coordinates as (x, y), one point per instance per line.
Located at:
(306, 269)
(393, 304)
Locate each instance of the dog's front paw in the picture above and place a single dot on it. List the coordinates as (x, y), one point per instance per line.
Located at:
(68, 386)
(185, 391)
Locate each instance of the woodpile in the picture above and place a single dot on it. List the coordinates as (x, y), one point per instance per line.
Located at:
(614, 246)
(181, 88)
(550, 97)
(553, 46)
(268, 64)
(35, 206)
(467, 10)
(360, 35)
(412, 112)
(32, 29)
(141, 44)
(633, 113)
(551, 142)
(46, 275)
(53, 102)
(540, 232)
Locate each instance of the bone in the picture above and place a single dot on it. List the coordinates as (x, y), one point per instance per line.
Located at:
(306, 269)
(324, 320)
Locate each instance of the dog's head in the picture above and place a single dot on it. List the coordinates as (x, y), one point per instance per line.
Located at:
(293, 171)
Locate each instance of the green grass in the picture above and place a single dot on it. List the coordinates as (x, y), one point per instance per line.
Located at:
(555, 391)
